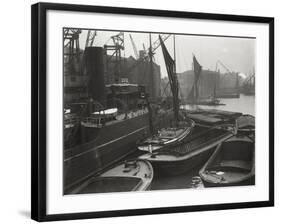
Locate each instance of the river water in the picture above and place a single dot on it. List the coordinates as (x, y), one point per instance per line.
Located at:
(244, 104)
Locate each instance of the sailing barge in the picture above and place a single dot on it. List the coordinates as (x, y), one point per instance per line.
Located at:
(167, 137)
(193, 152)
(175, 134)
(196, 147)
(193, 96)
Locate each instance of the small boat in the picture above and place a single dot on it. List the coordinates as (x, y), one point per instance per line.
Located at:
(210, 102)
(194, 152)
(223, 95)
(232, 164)
(193, 96)
(246, 123)
(212, 117)
(205, 102)
(132, 175)
(167, 137)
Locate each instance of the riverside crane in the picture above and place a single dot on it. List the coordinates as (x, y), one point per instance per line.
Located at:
(71, 48)
(249, 85)
(134, 47)
(115, 57)
(224, 66)
(229, 72)
(71, 43)
(151, 51)
(232, 73)
(90, 38)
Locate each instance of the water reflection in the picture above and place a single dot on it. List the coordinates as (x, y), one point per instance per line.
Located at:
(245, 104)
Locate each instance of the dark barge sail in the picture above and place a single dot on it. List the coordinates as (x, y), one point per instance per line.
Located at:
(180, 128)
(196, 147)
(193, 96)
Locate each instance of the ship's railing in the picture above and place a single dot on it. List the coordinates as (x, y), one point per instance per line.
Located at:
(136, 113)
(101, 121)
(71, 120)
(97, 122)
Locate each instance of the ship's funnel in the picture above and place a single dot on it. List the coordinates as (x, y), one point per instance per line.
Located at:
(94, 69)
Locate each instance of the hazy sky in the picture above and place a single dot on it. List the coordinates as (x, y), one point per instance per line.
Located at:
(238, 54)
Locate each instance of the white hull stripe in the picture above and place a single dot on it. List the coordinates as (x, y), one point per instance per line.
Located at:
(112, 141)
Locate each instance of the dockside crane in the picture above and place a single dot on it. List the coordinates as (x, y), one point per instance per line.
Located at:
(115, 57)
(134, 47)
(71, 48)
(248, 87)
(143, 46)
(90, 38)
(250, 80)
(71, 43)
(149, 54)
(224, 66)
(156, 44)
(229, 72)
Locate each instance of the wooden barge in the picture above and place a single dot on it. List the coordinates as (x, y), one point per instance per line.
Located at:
(232, 163)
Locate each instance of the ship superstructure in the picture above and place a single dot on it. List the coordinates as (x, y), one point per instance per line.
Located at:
(104, 117)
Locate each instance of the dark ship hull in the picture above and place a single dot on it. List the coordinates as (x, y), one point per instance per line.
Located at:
(109, 144)
(102, 137)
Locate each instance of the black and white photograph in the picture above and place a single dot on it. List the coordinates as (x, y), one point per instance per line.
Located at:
(149, 111)
(138, 112)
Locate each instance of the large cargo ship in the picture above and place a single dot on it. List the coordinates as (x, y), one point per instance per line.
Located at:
(111, 142)
(107, 125)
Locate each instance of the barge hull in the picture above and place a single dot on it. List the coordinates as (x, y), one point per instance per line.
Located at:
(247, 182)
(180, 167)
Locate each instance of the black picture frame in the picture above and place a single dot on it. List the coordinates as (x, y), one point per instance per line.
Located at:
(38, 116)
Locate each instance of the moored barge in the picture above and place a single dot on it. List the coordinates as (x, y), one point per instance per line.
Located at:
(132, 175)
(232, 163)
(196, 150)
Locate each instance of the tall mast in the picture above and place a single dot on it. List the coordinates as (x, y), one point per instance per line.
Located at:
(150, 53)
(175, 55)
(237, 83)
(170, 66)
(176, 99)
(151, 67)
